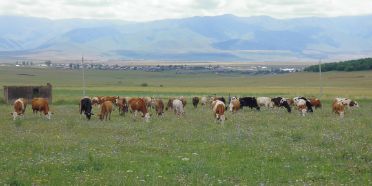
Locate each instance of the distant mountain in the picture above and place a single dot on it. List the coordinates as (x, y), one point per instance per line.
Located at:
(216, 38)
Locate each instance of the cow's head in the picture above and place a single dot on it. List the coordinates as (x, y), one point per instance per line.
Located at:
(88, 115)
(147, 117)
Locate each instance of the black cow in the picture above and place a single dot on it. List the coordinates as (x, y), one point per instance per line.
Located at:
(86, 107)
(308, 104)
(250, 102)
(281, 102)
(195, 101)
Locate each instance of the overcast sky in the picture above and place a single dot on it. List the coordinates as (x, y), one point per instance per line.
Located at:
(145, 10)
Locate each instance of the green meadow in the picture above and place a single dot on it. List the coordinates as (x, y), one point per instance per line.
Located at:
(270, 147)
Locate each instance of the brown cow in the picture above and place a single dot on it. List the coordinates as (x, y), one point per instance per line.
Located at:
(170, 104)
(195, 101)
(139, 105)
(41, 105)
(315, 102)
(159, 107)
(183, 99)
(110, 98)
(19, 108)
(122, 105)
(106, 109)
(339, 108)
(219, 110)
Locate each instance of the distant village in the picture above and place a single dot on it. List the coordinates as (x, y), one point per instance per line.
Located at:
(179, 68)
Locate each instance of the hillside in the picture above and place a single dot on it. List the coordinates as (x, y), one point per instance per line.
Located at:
(216, 38)
(351, 65)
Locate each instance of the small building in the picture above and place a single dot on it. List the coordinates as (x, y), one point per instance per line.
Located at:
(11, 93)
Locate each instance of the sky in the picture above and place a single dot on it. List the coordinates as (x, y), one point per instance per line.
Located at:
(147, 10)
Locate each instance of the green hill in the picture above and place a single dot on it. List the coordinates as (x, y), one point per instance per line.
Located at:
(351, 65)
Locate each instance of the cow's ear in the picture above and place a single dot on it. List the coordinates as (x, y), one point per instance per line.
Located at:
(11, 113)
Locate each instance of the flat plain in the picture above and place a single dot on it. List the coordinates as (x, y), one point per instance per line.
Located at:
(270, 147)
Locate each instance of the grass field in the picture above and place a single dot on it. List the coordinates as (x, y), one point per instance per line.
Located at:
(270, 147)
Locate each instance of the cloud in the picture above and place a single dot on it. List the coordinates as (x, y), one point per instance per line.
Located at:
(144, 10)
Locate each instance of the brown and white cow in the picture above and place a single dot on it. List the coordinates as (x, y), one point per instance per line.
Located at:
(347, 102)
(339, 108)
(41, 105)
(184, 101)
(97, 100)
(219, 110)
(106, 109)
(234, 104)
(301, 106)
(315, 102)
(122, 105)
(19, 108)
(139, 105)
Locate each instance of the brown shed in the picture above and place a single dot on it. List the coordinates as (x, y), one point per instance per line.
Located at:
(11, 93)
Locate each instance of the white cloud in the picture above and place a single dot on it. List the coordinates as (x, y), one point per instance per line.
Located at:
(144, 10)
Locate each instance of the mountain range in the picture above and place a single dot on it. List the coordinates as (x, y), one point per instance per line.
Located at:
(214, 38)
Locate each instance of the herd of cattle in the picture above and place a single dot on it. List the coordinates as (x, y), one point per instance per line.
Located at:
(218, 105)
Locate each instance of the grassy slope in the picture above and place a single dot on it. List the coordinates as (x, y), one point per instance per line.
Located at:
(270, 147)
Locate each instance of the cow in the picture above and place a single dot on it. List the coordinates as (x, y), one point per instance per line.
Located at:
(170, 104)
(97, 100)
(106, 109)
(315, 102)
(195, 101)
(122, 105)
(302, 106)
(220, 99)
(19, 108)
(290, 101)
(250, 102)
(203, 101)
(159, 107)
(147, 100)
(184, 101)
(307, 103)
(41, 105)
(139, 105)
(219, 110)
(281, 102)
(348, 102)
(339, 108)
(234, 104)
(86, 107)
(178, 107)
(265, 102)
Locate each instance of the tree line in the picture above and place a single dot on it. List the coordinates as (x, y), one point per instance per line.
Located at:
(350, 65)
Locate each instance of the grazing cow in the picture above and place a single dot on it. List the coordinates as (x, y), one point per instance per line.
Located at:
(170, 104)
(281, 102)
(106, 109)
(97, 100)
(122, 105)
(234, 104)
(301, 106)
(147, 101)
(159, 107)
(250, 102)
(265, 102)
(219, 110)
(203, 101)
(178, 107)
(307, 103)
(183, 99)
(339, 108)
(195, 101)
(348, 102)
(19, 108)
(41, 105)
(139, 105)
(315, 102)
(220, 99)
(86, 107)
